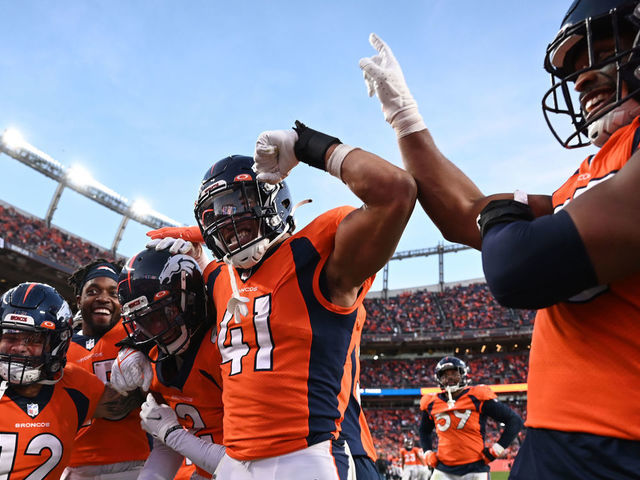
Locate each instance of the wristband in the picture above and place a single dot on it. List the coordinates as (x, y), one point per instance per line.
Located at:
(311, 146)
(502, 211)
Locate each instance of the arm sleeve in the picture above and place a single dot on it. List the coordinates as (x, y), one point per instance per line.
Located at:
(426, 427)
(536, 264)
(162, 463)
(503, 414)
(204, 454)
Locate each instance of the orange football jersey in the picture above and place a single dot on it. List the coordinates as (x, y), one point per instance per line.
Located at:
(101, 441)
(583, 365)
(460, 428)
(37, 434)
(284, 365)
(354, 427)
(195, 391)
(411, 457)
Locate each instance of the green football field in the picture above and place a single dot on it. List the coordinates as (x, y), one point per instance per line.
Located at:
(499, 475)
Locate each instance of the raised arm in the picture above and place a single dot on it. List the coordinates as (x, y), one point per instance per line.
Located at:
(368, 236)
(446, 194)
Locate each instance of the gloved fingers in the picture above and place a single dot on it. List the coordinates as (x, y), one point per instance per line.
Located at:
(151, 244)
(371, 68)
(150, 402)
(180, 246)
(381, 46)
(271, 177)
(147, 376)
(159, 233)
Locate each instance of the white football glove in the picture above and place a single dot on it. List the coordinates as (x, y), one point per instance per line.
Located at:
(175, 245)
(131, 369)
(274, 156)
(383, 76)
(159, 420)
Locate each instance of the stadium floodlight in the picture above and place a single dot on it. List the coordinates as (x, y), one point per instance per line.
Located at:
(141, 207)
(79, 176)
(13, 139)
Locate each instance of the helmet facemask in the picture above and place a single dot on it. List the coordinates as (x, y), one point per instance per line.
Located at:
(42, 367)
(164, 322)
(616, 72)
(240, 221)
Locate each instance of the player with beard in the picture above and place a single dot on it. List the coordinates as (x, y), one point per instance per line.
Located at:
(43, 400)
(572, 255)
(104, 449)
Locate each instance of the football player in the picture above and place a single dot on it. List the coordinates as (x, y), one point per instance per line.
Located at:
(103, 447)
(354, 428)
(287, 303)
(43, 400)
(411, 459)
(164, 307)
(572, 255)
(458, 415)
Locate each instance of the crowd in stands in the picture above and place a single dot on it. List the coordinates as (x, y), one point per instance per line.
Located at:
(390, 426)
(419, 372)
(34, 235)
(459, 307)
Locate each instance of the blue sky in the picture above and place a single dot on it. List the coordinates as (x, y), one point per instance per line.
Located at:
(147, 94)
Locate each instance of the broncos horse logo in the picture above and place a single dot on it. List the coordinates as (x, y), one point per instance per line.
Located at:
(176, 264)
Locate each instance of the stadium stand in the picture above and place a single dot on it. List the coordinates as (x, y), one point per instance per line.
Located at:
(30, 250)
(492, 368)
(409, 331)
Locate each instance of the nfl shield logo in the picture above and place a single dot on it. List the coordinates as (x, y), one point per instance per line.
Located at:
(32, 409)
(90, 344)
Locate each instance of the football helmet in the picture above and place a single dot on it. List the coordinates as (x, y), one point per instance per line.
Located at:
(239, 216)
(448, 363)
(618, 69)
(408, 443)
(163, 300)
(34, 312)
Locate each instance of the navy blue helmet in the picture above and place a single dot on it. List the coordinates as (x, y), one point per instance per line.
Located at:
(238, 215)
(33, 314)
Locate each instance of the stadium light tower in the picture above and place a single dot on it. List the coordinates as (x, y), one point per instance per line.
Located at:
(78, 179)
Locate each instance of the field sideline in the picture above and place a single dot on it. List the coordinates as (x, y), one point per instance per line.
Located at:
(499, 475)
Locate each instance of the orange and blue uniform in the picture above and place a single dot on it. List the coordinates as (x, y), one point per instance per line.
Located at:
(37, 434)
(411, 457)
(101, 441)
(285, 365)
(583, 367)
(460, 427)
(194, 390)
(354, 428)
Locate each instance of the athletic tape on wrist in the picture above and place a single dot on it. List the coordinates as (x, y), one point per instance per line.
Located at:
(334, 162)
(408, 121)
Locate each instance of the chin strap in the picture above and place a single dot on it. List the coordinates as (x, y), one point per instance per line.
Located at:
(237, 303)
(286, 230)
(451, 402)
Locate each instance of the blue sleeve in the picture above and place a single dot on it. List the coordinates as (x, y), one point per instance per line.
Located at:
(426, 427)
(503, 414)
(538, 263)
